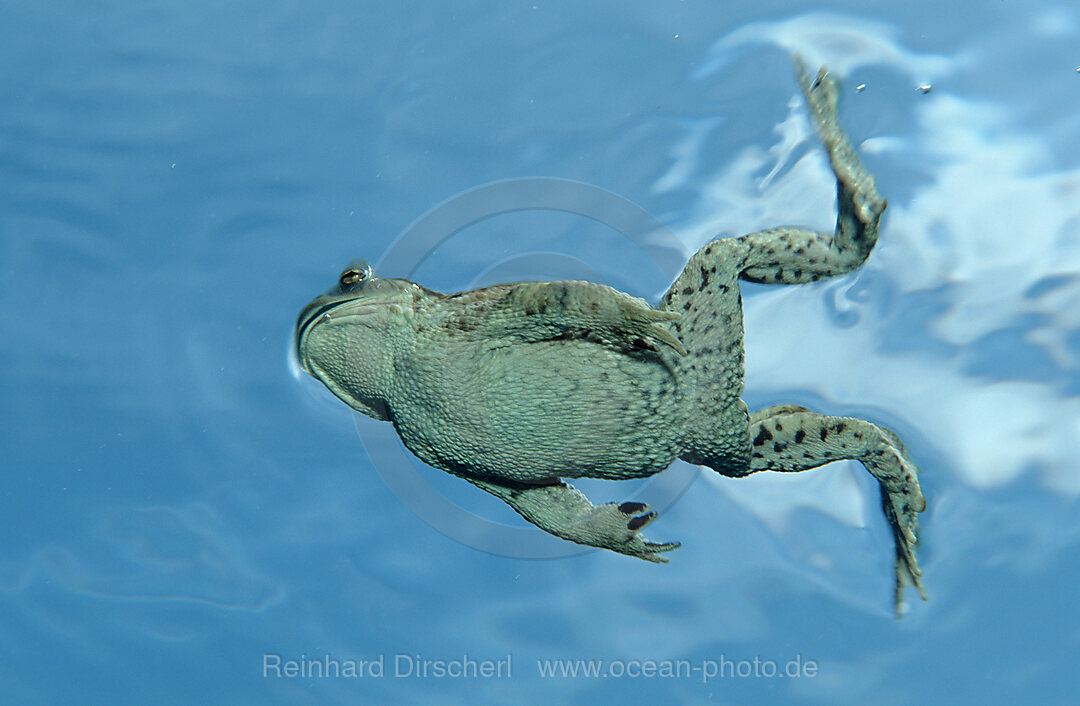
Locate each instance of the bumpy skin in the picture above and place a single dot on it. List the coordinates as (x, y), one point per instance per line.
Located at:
(515, 387)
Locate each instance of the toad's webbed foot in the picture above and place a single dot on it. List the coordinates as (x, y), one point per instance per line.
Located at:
(618, 526)
(901, 499)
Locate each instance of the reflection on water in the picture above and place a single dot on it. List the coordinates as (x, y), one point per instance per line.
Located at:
(996, 244)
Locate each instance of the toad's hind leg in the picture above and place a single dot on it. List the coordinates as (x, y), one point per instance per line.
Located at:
(789, 438)
(706, 294)
(796, 255)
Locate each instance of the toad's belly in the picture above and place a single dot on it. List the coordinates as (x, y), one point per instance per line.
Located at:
(563, 408)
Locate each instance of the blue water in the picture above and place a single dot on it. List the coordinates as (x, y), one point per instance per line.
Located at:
(178, 178)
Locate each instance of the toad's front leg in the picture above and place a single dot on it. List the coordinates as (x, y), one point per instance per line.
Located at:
(560, 509)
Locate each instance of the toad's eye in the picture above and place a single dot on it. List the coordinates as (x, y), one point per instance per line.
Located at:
(355, 273)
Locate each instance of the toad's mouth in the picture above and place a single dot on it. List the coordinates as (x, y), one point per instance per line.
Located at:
(320, 311)
(313, 312)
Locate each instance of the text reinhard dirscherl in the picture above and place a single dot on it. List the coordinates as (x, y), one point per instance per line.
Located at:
(401, 665)
(416, 666)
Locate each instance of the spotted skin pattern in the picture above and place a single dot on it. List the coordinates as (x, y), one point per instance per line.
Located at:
(789, 438)
(517, 387)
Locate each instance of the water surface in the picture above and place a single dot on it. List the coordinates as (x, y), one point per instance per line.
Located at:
(178, 179)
